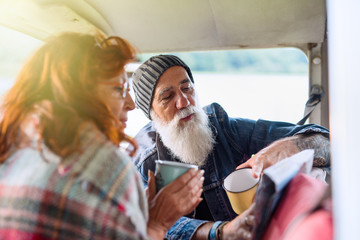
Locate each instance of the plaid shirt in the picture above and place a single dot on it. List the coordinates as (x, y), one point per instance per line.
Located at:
(95, 193)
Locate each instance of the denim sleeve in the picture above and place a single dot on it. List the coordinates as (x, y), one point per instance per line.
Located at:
(249, 136)
(266, 132)
(184, 228)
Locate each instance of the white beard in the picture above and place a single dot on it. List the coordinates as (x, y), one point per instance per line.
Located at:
(193, 141)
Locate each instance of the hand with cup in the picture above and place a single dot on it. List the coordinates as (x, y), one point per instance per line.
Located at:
(240, 187)
(282, 149)
(168, 171)
(174, 200)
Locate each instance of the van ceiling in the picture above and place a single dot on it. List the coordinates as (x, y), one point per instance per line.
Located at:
(184, 25)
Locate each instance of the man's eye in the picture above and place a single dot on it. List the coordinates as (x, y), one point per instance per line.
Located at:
(166, 98)
(186, 89)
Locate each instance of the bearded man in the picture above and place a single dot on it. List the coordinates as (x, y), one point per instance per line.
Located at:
(182, 131)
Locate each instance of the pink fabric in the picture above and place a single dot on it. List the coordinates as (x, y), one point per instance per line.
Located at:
(317, 226)
(302, 193)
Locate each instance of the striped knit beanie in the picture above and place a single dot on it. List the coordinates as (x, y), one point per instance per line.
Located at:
(146, 76)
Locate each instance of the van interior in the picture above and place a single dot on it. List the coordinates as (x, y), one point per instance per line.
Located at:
(323, 30)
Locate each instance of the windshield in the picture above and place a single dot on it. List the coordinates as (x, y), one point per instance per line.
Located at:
(15, 48)
(270, 84)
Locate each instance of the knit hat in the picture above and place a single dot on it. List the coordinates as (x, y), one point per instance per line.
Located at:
(146, 76)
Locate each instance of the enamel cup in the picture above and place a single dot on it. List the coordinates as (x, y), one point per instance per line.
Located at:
(240, 187)
(168, 171)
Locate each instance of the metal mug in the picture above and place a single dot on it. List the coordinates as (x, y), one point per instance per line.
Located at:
(240, 187)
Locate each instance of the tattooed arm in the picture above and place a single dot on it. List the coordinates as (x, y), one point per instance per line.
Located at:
(286, 147)
(319, 143)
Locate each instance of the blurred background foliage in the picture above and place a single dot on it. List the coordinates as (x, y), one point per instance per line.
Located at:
(15, 48)
(250, 61)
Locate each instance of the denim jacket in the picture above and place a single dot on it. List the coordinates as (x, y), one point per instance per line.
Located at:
(236, 140)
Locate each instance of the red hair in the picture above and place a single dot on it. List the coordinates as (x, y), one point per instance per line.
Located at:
(59, 82)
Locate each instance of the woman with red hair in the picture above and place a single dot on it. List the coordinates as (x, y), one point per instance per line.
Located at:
(62, 175)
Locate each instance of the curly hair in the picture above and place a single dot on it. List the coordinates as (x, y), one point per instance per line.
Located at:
(58, 82)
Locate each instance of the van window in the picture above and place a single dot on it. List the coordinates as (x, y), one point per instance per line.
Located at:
(270, 84)
(263, 83)
(15, 48)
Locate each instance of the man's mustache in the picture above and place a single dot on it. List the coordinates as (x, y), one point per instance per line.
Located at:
(186, 112)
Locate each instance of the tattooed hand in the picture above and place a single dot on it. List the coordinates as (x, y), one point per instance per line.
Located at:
(287, 147)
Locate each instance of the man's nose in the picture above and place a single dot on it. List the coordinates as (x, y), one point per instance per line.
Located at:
(182, 101)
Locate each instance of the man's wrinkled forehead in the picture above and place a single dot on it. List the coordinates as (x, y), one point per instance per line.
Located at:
(168, 88)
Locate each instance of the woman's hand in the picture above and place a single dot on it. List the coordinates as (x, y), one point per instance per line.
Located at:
(173, 201)
(240, 227)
